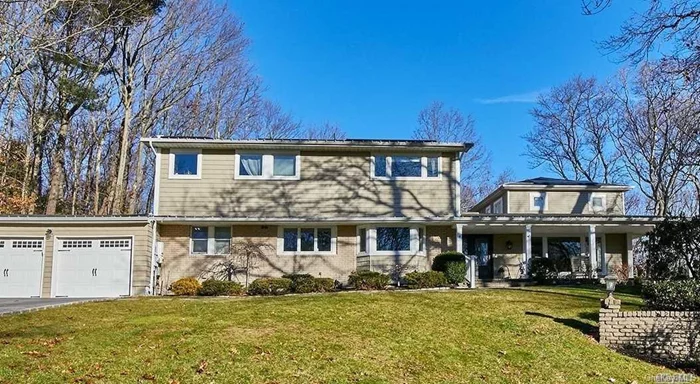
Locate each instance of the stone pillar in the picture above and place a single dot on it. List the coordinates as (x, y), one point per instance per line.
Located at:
(609, 308)
(592, 250)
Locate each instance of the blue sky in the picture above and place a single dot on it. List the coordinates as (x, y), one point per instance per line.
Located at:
(371, 66)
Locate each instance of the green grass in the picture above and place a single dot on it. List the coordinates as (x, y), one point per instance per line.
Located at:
(513, 336)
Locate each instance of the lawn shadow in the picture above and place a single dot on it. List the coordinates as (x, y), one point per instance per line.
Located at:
(583, 327)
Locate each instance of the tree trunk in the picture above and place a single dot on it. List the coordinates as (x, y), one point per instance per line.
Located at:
(137, 187)
(58, 172)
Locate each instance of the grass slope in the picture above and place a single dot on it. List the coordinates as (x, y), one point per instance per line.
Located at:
(514, 336)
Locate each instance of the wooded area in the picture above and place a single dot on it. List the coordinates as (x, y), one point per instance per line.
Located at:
(81, 81)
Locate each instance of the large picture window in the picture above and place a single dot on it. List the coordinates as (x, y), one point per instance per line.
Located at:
(251, 165)
(185, 164)
(405, 166)
(393, 239)
(210, 240)
(307, 240)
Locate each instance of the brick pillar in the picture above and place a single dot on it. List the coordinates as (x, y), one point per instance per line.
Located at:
(609, 308)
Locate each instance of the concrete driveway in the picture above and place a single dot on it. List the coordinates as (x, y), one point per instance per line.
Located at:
(9, 306)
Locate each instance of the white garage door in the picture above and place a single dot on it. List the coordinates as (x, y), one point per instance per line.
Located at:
(20, 264)
(92, 267)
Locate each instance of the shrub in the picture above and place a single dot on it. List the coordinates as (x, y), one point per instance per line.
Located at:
(440, 261)
(187, 286)
(270, 286)
(672, 295)
(213, 287)
(429, 279)
(367, 280)
(455, 272)
(325, 284)
(542, 269)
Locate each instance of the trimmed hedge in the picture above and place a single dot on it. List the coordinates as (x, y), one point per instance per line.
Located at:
(213, 287)
(366, 280)
(305, 283)
(440, 261)
(542, 269)
(429, 279)
(187, 286)
(455, 272)
(672, 295)
(270, 286)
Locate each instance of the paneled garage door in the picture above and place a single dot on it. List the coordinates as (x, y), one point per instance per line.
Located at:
(92, 267)
(20, 264)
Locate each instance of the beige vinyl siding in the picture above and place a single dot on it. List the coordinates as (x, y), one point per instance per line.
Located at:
(179, 263)
(141, 248)
(330, 185)
(615, 250)
(567, 202)
(363, 263)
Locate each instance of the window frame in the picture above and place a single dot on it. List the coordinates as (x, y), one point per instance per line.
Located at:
(211, 240)
(299, 252)
(171, 165)
(415, 240)
(532, 205)
(602, 198)
(498, 203)
(389, 162)
(268, 163)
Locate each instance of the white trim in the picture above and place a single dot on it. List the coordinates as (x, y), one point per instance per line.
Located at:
(151, 284)
(267, 171)
(602, 196)
(499, 211)
(532, 205)
(280, 241)
(423, 166)
(156, 182)
(171, 163)
(507, 202)
(93, 237)
(457, 164)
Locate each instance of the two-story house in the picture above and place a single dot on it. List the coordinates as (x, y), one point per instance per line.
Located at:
(321, 207)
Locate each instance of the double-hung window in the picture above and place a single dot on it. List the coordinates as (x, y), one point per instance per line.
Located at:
(210, 240)
(405, 166)
(311, 240)
(185, 164)
(282, 165)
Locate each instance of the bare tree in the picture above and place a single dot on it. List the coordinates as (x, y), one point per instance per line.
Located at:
(655, 116)
(238, 265)
(271, 122)
(325, 131)
(438, 122)
(571, 136)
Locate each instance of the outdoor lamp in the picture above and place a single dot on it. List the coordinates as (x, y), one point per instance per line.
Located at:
(610, 282)
(509, 245)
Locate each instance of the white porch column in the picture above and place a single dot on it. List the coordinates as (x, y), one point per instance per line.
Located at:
(527, 249)
(592, 249)
(458, 238)
(630, 256)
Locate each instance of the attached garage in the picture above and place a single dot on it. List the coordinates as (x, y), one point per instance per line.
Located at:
(21, 264)
(69, 256)
(99, 267)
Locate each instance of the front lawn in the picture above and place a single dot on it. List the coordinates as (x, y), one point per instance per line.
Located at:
(529, 335)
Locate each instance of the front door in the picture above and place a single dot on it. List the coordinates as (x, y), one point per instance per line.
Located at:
(481, 247)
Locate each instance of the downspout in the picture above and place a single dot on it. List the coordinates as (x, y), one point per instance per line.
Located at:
(154, 225)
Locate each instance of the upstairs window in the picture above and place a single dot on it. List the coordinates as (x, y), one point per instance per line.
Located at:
(185, 164)
(498, 206)
(405, 167)
(597, 202)
(538, 201)
(306, 240)
(210, 240)
(251, 165)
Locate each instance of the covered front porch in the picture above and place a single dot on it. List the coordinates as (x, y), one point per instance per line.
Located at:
(501, 247)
